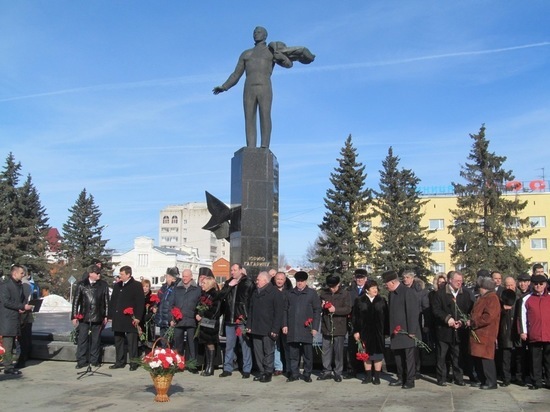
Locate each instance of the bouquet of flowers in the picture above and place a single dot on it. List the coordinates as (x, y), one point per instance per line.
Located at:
(2, 352)
(130, 311)
(420, 343)
(326, 306)
(163, 361)
(176, 317)
(361, 355)
(154, 301)
(205, 303)
(74, 332)
(241, 320)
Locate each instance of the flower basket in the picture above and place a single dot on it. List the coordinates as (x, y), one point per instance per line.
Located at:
(162, 364)
(162, 385)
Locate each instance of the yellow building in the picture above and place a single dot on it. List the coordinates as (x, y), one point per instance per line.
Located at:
(437, 217)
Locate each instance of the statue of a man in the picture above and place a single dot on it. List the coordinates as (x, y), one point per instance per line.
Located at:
(258, 64)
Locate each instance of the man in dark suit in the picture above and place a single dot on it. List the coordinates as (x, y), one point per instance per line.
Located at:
(356, 290)
(404, 327)
(448, 304)
(264, 324)
(127, 293)
(12, 306)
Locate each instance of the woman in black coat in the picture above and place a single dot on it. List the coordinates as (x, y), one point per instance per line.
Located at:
(208, 308)
(370, 319)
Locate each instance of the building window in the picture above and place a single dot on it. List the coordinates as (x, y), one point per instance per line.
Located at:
(174, 220)
(437, 246)
(155, 280)
(438, 268)
(537, 221)
(514, 223)
(184, 221)
(538, 244)
(164, 230)
(143, 259)
(165, 220)
(184, 240)
(174, 229)
(437, 224)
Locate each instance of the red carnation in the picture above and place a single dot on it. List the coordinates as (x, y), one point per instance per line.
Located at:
(397, 330)
(327, 305)
(308, 322)
(176, 314)
(129, 311)
(363, 357)
(238, 332)
(79, 316)
(154, 299)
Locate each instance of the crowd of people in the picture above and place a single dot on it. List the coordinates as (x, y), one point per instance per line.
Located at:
(498, 329)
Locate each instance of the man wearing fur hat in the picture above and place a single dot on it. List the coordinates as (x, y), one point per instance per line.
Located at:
(336, 304)
(404, 311)
(163, 314)
(300, 323)
(535, 328)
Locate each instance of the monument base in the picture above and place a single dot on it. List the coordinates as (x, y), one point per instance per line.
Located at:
(255, 188)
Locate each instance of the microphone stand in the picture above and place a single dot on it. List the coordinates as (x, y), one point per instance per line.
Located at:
(89, 371)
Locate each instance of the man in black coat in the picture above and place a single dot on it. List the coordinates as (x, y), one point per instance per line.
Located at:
(403, 315)
(300, 323)
(357, 289)
(448, 304)
(12, 305)
(89, 314)
(127, 296)
(235, 295)
(264, 324)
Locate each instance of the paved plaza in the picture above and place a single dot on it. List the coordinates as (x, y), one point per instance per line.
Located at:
(52, 386)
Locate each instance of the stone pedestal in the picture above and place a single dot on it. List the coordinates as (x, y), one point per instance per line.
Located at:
(255, 187)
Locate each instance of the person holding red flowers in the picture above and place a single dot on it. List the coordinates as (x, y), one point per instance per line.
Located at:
(127, 293)
(235, 295)
(300, 323)
(403, 312)
(370, 324)
(186, 299)
(336, 304)
(89, 314)
(147, 322)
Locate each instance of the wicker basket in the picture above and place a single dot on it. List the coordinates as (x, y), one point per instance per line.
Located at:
(162, 382)
(162, 385)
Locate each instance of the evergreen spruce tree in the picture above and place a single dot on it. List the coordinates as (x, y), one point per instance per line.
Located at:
(82, 234)
(33, 230)
(342, 246)
(23, 222)
(9, 213)
(402, 242)
(487, 228)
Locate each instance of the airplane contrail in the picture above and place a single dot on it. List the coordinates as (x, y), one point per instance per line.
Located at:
(212, 77)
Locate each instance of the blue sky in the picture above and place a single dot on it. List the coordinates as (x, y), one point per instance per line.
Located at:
(115, 97)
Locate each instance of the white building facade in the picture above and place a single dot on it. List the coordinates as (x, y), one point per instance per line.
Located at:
(180, 227)
(150, 262)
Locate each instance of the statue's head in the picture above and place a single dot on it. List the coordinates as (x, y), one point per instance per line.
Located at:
(260, 34)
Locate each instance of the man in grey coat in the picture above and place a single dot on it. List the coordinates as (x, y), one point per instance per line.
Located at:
(12, 306)
(404, 327)
(301, 323)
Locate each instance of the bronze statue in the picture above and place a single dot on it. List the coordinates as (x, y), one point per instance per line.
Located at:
(258, 64)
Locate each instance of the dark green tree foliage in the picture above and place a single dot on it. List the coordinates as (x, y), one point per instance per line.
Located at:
(23, 222)
(342, 247)
(82, 234)
(402, 241)
(486, 223)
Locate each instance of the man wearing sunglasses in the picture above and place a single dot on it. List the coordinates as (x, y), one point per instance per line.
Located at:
(535, 328)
